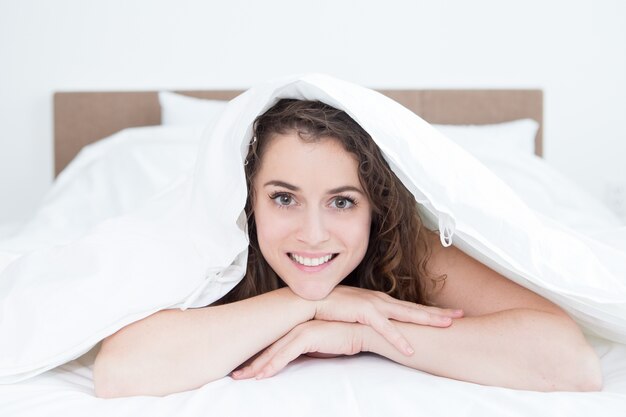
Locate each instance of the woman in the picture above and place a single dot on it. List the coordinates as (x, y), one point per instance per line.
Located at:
(339, 263)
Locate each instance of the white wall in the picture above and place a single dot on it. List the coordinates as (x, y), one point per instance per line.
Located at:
(573, 50)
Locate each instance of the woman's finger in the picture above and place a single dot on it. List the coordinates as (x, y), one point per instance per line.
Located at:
(281, 354)
(383, 326)
(410, 313)
(253, 369)
(448, 312)
(326, 338)
(281, 358)
(418, 316)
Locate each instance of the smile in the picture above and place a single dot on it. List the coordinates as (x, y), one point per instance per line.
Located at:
(312, 261)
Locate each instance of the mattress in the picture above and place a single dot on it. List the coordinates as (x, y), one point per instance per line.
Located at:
(363, 385)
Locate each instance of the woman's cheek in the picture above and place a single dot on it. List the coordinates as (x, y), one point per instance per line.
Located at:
(273, 229)
(364, 230)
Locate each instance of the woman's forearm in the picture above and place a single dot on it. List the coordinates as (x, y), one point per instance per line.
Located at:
(518, 348)
(174, 350)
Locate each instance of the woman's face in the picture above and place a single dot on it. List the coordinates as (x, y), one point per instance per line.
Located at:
(312, 216)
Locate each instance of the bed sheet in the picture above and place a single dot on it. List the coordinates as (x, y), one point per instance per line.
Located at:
(363, 385)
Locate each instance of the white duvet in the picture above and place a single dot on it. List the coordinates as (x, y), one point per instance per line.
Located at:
(54, 292)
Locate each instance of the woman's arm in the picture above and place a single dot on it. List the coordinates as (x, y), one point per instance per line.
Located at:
(509, 337)
(519, 348)
(174, 350)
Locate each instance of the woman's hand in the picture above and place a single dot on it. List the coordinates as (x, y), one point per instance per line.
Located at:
(330, 338)
(338, 328)
(375, 309)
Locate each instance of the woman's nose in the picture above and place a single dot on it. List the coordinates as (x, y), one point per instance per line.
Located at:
(312, 230)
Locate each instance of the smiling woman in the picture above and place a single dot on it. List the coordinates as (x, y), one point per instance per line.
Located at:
(315, 233)
(340, 263)
(341, 200)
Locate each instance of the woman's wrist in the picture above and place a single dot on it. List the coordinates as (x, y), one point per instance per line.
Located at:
(309, 307)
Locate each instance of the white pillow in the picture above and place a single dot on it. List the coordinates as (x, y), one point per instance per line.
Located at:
(179, 110)
(515, 137)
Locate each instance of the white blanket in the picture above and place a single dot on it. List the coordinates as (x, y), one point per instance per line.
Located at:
(58, 302)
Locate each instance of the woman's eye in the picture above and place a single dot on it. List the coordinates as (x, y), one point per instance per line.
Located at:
(282, 199)
(342, 203)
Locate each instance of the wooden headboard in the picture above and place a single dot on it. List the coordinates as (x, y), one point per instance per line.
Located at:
(81, 118)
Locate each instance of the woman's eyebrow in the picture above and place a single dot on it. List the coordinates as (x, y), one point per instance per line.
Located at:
(345, 188)
(333, 191)
(282, 184)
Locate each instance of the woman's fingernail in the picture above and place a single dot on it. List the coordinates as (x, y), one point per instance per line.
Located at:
(237, 373)
(410, 350)
(260, 375)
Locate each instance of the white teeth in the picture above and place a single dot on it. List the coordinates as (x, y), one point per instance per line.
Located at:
(311, 261)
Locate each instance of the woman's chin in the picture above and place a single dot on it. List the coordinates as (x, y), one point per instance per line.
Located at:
(313, 294)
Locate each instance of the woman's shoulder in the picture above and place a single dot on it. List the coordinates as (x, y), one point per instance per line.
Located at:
(474, 287)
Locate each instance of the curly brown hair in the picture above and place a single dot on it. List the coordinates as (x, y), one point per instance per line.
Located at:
(398, 248)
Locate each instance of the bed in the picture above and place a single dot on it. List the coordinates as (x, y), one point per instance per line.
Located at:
(100, 178)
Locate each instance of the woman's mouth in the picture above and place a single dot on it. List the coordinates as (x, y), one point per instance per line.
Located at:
(312, 264)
